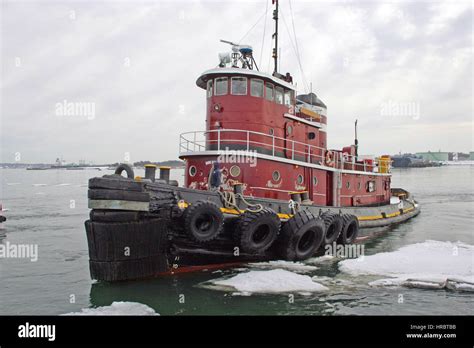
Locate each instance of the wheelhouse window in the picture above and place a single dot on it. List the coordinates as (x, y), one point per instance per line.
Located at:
(239, 86)
(209, 88)
(279, 95)
(221, 86)
(256, 88)
(269, 91)
(288, 97)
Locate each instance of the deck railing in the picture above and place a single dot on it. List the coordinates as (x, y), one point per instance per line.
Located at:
(244, 140)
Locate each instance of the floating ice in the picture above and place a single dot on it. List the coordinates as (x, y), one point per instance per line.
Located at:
(272, 281)
(39, 184)
(288, 265)
(321, 259)
(431, 265)
(118, 308)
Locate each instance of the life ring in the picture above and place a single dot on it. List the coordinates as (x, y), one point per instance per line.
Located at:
(329, 159)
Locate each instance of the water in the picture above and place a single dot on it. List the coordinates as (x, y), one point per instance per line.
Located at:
(48, 208)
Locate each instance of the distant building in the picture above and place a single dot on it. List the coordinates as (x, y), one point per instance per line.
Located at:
(435, 156)
(471, 155)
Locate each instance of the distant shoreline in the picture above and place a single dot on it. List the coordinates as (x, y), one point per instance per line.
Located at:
(74, 166)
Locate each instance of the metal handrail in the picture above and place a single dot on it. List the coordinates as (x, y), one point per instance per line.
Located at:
(341, 161)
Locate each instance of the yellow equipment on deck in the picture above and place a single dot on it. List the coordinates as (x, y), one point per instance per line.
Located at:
(384, 164)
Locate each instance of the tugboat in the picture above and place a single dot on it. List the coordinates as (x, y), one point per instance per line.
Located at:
(260, 184)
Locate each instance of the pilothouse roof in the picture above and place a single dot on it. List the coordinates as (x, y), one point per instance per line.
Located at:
(212, 73)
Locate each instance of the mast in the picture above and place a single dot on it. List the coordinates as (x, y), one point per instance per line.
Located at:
(356, 141)
(275, 36)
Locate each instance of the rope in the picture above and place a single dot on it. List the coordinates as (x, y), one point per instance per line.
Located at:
(296, 52)
(250, 205)
(253, 26)
(229, 200)
(264, 31)
(296, 43)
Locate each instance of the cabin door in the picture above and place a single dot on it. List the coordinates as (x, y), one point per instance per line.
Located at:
(329, 188)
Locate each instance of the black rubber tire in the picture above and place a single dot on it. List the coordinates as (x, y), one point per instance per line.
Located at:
(333, 223)
(109, 241)
(114, 215)
(115, 182)
(301, 236)
(350, 229)
(123, 166)
(119, 195)
(256, 231)
(203, 221)
(128, 270)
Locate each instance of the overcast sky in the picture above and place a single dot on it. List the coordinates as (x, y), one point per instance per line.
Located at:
(404, 69)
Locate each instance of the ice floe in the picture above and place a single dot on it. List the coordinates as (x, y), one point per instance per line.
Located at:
(288, 265)
(428, 265)
(321, 259)
(271, 281)
(118, 308)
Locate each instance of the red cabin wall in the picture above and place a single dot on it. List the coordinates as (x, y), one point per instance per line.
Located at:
(258, 181)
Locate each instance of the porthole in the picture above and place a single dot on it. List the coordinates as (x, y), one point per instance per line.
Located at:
(311, 135)
(289, 130)
(192, 170)
(235, 171)
(359, 185)
(300, 180)
(272, 131)
(348, 184)
(315, 181)
(276, 175)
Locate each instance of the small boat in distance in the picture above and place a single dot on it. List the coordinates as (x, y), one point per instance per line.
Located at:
(2, 218)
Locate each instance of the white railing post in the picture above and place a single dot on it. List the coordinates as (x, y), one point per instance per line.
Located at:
(194, 147)
(218, 140)
(293, 150)
(273, 145)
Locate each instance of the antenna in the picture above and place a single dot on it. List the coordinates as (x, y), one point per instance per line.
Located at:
(229, 42)
(275, 36)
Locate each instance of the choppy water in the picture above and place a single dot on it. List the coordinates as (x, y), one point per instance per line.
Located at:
(48, 208)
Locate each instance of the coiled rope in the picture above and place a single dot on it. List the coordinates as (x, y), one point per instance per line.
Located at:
(229, 200)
